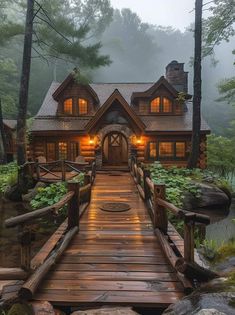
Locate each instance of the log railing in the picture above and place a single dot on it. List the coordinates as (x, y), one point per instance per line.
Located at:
(60, 170)
(154, 197)
(77, 200)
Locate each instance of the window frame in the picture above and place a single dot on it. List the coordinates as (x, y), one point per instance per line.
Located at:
(162, 158)
(71, 143)
(161, 107)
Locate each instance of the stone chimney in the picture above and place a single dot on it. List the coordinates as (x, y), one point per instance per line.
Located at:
(176, 76)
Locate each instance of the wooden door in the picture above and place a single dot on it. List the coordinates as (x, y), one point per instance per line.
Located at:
(117, 149)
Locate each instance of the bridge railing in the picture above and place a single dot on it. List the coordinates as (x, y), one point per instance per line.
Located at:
(77, 200)
(154, 196)
(60, 170)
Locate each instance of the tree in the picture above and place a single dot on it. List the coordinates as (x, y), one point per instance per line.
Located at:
(197, 82)
(3, 142)
(54, 27)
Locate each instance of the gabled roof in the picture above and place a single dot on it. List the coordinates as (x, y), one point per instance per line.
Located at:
(10, 123)
(66, 82)
(115, 96)
(162, 81)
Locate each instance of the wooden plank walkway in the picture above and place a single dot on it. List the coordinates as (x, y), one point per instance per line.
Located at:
(115, 259)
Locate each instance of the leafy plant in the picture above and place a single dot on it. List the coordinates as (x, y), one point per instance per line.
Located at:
(209, 249)
(8, 175)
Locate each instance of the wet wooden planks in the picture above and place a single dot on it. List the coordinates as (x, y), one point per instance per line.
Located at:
(115, 258)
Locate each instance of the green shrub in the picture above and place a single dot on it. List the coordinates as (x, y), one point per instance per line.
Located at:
(8, 175)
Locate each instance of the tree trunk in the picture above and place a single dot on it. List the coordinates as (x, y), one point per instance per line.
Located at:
(24, 85)
(3, 152)
(197, 82)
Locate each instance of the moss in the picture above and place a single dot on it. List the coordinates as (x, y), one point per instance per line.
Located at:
(225, 251)
(231, 279)
(21, 309)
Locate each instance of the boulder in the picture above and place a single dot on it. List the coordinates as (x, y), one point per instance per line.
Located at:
(13, 193)
(43, 308)
(218, 303)
(211, 196)
(20, 309)
(107, 311)
(33, 192)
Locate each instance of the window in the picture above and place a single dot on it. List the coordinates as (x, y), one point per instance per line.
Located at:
(167, 150)
(180, 149)
(155, 105)
(51, 151)
(166, 105)
(82, 106)
(74, 147)
(62, 150)
(161, 105)
(152, 150)
(68, 106)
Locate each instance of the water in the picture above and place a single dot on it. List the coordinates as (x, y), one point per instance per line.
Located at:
(9, 238)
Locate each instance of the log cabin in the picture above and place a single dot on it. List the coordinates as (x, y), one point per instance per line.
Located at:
(110, 122)
(10, 134)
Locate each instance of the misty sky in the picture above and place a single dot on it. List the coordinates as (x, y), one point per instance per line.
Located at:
(175, 13)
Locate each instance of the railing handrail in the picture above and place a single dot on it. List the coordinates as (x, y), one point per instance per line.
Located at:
(38, 213)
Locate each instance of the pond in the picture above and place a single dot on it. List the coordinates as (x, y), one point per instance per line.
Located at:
(9, 243)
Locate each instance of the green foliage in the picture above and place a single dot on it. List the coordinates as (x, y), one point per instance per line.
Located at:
(8, 175)
(177, 181)
(209, 249)
(221, 155)
(47, 196)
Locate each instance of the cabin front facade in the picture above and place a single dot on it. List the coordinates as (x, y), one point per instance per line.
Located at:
(110, 122)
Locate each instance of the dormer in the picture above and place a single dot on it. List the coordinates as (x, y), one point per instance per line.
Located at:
(160, 99)
(75, 99)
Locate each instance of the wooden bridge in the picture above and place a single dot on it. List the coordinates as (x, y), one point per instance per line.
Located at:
(95, 258)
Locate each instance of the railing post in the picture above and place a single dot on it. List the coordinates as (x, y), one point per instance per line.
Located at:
(189, 226)
(37, 169)
(63, 170)
(25, 241)
(160, 213)
(87, 181)
(138, 177)
(147, 192)
(73, 205)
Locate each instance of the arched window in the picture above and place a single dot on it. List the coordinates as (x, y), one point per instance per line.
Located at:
(68, 106)
(82, 106)
(155, 105)
(166, 105)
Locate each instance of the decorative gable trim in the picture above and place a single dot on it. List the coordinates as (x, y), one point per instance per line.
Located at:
(150, 92)
(66, 82)
(116, 95)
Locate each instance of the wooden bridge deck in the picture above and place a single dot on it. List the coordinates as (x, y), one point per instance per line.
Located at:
(115, 258)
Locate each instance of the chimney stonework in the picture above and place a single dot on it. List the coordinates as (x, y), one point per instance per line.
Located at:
(176, 76)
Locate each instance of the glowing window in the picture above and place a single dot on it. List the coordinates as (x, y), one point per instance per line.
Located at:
(152, 150)
(82, 106)
(166, 149)
(155, 105)
(180, 149)
(68, 106)
(166, 105)
(63, 150)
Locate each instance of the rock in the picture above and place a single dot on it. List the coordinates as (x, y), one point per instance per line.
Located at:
(43, 308)
(13, 193)
(20, 309)
(222, 302)
(226, 266)
(33, 192)
(211, 196)
(107, 311)
(210, 311)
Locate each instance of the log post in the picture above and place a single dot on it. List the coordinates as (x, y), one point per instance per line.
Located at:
(160, 213)
(63, 170)
(147, 191)
(189, 241)
(87, 181)
(37, 170)
(73, 206)
(25, 242)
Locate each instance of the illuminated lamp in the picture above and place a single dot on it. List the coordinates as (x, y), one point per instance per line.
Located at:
(91, 141)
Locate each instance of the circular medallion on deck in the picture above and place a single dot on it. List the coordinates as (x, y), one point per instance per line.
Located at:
(115, 207)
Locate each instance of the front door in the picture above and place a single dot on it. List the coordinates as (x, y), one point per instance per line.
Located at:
(115, 149)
